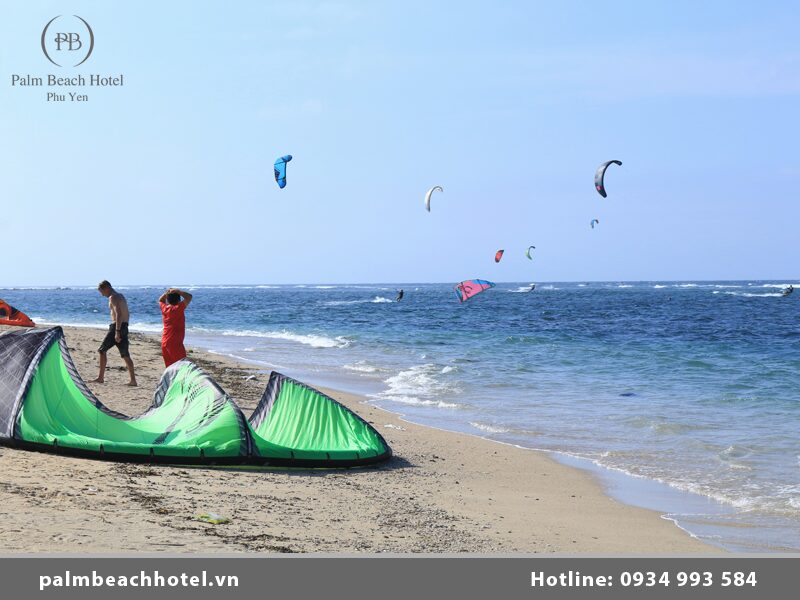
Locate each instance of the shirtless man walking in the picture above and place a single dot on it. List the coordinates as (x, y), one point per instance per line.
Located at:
(117, 332)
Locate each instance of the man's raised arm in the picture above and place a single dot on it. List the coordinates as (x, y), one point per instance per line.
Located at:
(187, 297)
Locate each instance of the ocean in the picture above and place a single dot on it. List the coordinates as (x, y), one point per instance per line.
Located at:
(681, 396)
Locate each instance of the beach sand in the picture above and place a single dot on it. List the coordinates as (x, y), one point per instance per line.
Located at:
(442, 492)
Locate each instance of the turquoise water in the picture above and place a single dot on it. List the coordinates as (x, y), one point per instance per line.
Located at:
(692, 384)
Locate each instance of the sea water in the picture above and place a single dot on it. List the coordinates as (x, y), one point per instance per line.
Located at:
(691, 388)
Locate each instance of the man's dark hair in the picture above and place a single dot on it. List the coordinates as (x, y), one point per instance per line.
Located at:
(104, 285)
(173, 298)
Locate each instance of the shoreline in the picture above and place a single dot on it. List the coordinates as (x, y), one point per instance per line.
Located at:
(427, 498)
(673, 504)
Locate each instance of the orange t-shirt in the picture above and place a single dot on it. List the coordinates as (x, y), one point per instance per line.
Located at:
(174, 322)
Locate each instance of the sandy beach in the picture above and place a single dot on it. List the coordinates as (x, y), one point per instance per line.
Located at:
(442, 492)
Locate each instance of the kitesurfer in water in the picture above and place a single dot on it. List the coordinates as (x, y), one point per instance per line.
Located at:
(533, 287)
(173, 305)
(788, 290)
(400, 295)
(117, 332)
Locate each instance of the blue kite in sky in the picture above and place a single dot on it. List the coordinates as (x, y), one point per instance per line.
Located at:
(280, 170)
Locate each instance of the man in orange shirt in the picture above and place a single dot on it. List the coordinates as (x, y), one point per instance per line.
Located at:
(173, 305)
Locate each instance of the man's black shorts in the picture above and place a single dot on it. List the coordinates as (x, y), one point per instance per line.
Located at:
(111, 340)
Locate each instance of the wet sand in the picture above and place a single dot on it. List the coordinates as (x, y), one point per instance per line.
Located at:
(442, 492)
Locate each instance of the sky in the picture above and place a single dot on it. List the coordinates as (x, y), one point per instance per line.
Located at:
(509, 107)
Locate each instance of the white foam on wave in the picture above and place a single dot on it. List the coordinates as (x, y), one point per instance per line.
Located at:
(76, 324)
(380, 300)
(710, 285)
(343, 302)
(707, 285)
(37, 289)
(418, 386)
(413, 401)
(313, 340)
(521, 290)
(146, 327)
(361, 367)
(489, 428)
(734, 457)
(624, 285)
(783, 500)
(225, 287)
(749, 295)
(135, 327)
(659, 287)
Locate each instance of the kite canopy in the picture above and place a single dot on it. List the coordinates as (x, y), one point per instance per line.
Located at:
(280, 170)
(600, 174)
(11, 316)
(472, 287)
(45, 405)
(528, 252)
(428, 196)
(594, 222)
(498, 255)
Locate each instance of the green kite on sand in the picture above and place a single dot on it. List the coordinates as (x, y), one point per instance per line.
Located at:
(45, 405)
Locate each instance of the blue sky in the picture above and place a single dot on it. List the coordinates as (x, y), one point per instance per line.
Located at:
(509, 108)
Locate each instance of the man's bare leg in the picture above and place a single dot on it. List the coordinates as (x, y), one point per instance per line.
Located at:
(129, 364)
(101, 376)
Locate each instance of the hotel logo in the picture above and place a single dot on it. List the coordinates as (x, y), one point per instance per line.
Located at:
(67, 41)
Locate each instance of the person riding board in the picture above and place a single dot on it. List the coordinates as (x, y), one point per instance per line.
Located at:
(788, 290)
(173, 305)
(400, 295)
(117, 332)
